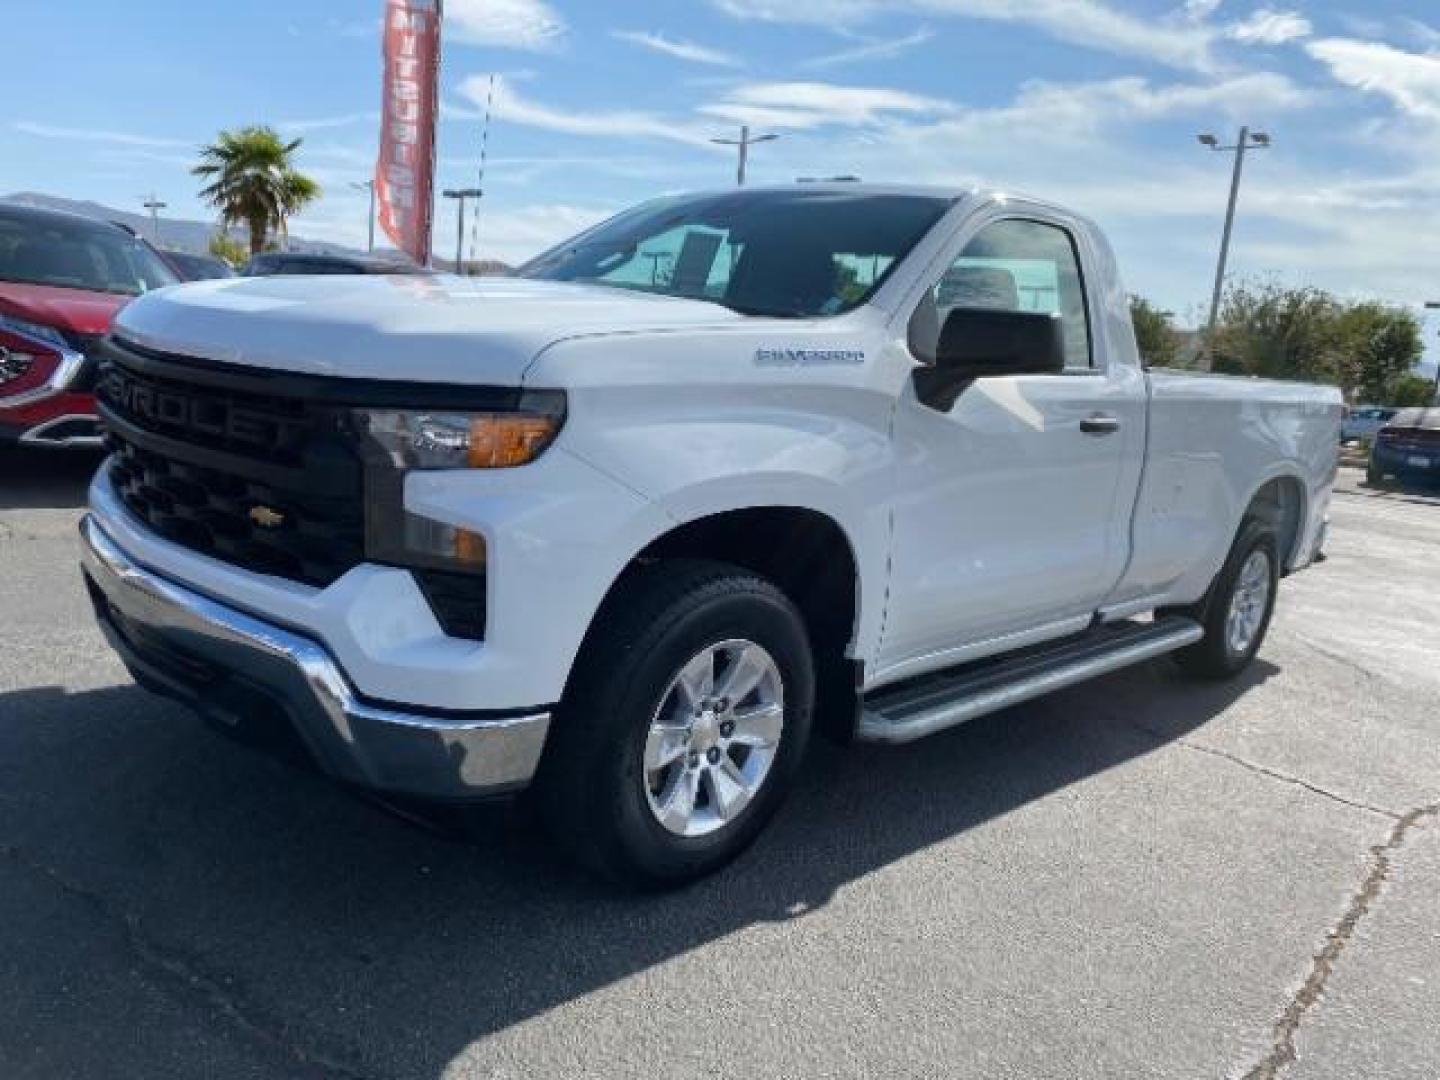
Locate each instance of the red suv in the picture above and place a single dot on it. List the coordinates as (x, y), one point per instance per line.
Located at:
(62, 279)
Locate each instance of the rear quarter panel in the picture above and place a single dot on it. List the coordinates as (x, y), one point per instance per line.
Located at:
(1214, 442)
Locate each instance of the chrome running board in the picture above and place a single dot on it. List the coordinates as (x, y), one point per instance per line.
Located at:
(932, 703)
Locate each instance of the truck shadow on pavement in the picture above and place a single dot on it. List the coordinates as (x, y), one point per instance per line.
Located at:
(342, 941)
(45, 479)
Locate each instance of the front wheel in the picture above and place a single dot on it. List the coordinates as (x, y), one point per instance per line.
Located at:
(1237, 614)
(684, 726)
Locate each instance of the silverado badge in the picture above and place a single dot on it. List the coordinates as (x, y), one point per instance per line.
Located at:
(266, 518)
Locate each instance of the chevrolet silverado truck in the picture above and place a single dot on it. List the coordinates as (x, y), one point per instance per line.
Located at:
(624, 528)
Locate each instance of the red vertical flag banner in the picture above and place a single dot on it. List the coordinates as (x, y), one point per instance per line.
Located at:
(405, 172)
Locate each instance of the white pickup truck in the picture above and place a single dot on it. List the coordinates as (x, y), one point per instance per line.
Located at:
(624, 528)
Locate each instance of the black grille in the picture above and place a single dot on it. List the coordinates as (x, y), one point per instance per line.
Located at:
(261, 480)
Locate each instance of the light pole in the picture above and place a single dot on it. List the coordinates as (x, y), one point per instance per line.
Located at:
(368, 185)
(1248, 141)
(1434, 305)
(744, 143)
(462, 194)
(154, 205)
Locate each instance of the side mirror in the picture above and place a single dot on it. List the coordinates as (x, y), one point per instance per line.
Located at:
(979, 343)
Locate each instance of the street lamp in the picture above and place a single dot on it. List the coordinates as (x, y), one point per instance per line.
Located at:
(154, 205)
(368, 185)
(744, 143)
(1248, 140)
(1434, 305)
(462, 194)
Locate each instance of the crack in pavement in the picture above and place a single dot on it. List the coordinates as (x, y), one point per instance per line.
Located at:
(1341, 658)
(1287, 778)
(1267, 771)
(172, 967)
(1282, 1052)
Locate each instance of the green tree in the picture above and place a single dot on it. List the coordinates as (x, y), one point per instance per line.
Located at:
(1281, 333)
(253, 181)
(1410, 390)
(1154, 333)
(224, 246)
(1377, 345)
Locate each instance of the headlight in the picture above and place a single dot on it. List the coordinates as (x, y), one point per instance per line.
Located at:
(14, 365)
(399, 441)
(423, 439)
(35, 331)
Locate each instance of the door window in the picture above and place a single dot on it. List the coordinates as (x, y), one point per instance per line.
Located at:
(1016, 265)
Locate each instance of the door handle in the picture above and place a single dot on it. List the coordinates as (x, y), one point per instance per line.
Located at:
(1100, 424)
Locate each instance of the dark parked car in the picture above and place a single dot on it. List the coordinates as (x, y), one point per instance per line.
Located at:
(281, 262)
(192, 267)
(1408, 447)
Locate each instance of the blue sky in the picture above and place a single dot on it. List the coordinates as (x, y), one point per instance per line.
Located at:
(1095, 103)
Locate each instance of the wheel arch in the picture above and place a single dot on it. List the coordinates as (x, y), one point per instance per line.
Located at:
(810, 556)
(1282, 500)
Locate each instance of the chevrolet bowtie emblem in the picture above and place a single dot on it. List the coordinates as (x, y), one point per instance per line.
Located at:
(266, 518)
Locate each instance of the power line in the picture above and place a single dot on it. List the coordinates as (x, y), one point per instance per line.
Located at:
(480, 179)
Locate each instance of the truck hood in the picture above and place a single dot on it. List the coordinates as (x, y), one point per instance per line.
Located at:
(75, 311)
(421, 329)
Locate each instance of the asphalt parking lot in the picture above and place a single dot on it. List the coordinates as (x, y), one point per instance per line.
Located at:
(1138, 878)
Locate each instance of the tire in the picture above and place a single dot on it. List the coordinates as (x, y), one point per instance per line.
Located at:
(629, 708)
(1374, 475)
(1220, 654)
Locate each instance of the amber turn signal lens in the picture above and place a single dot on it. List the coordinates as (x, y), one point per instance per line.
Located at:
(469, 548)
(503, 442)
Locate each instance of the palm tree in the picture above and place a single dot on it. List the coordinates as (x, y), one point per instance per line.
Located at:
(253, 181)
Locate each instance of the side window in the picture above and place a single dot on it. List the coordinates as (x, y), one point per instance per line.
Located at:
(1017, 265)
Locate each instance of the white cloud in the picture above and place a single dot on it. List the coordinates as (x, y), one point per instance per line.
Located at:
(1200, 10)
(1410, 80)
(1092, 23)
(680, 50)
(804, 105)
(514, 107)
(117, 138)
(325, 123)
(514, 24)
(1425, 34)
(872, 49)
(1266, 27)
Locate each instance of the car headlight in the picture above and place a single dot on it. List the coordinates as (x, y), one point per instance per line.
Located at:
(14, 365)
(36, 331)
(415, 439)
(396, 442)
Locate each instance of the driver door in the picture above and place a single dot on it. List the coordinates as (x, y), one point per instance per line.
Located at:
(1009, 522)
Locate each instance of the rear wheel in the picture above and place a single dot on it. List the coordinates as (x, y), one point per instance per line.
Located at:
(1374, 475)
(684, 726)
(1236, 615)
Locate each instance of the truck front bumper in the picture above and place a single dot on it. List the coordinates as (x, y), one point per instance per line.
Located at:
(235, 668)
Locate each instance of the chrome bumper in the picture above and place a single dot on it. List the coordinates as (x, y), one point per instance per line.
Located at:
(228, 665)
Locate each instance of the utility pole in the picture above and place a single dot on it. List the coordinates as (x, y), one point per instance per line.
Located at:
(154, 205)
(368, 185)
(1248, 141)
(1434, 305)
(462, 194)
(744, 143)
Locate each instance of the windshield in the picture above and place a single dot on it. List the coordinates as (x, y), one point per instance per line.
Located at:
(793, 254)
(44, 250)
